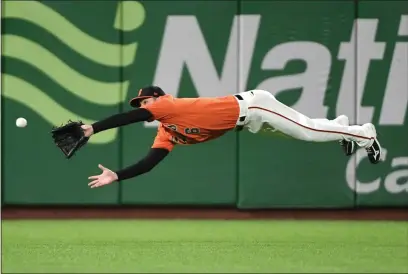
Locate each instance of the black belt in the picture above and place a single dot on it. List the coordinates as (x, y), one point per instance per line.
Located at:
(242, 118)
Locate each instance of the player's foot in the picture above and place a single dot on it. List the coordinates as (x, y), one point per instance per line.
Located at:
(349, 147)
(374, 151)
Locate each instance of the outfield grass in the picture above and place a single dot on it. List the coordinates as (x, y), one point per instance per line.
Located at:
(204, 246)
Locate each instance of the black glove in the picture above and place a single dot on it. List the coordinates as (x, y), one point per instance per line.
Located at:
(69, 137)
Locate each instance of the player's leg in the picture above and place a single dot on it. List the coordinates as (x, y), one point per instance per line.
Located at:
(349, 147)
(264, 108)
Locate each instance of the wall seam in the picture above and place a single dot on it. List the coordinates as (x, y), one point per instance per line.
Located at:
(356, 6)
(237, 139)
(120, 129)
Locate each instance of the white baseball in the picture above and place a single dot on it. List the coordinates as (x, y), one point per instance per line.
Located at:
(21, 122)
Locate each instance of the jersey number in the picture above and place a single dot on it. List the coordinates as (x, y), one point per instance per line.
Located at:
(179, 139)
(172, 127)
(192, 130)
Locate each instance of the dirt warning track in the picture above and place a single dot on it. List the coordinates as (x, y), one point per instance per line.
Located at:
(400, 214)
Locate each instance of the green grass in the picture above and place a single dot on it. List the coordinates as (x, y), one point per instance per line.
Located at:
(204, 246)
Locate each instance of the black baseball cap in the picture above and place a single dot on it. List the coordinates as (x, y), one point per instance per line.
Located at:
(146, 92)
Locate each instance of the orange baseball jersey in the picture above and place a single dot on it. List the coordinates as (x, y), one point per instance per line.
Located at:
(188, 121)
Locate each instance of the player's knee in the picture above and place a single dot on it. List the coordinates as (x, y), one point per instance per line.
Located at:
(301, 135)
(262, 96)
(308, 137)
(262, 93)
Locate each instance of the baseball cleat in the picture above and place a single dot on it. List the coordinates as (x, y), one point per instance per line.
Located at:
(349, 147)
(374, 151)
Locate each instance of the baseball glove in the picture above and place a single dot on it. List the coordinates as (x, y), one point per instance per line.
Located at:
(69, 137)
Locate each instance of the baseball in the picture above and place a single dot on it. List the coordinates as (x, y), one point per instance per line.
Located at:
(21, 122)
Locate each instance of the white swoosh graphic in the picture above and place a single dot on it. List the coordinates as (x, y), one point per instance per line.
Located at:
(89, 47)
(88, 89)
(55, 114)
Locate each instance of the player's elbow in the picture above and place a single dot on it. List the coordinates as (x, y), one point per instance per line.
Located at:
(149, 167)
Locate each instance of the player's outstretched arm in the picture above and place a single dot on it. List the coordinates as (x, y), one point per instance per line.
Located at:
(155, 156)
(118, 120)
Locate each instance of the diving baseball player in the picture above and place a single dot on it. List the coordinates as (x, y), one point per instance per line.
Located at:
(186, 121)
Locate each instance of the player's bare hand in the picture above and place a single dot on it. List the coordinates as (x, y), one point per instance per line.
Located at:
(88, 130)
(106, 177)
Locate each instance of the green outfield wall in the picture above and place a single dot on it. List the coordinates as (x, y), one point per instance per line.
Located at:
(84, 60)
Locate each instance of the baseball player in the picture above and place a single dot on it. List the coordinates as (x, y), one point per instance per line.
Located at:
(187, 121)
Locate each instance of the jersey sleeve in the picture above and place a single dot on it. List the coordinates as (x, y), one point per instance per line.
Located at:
(163, 108)
(162, 140)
